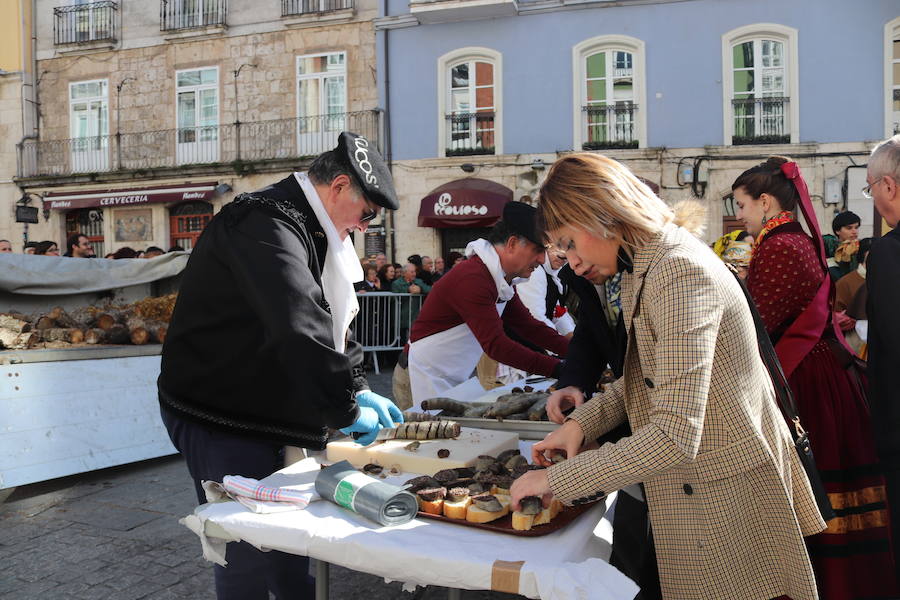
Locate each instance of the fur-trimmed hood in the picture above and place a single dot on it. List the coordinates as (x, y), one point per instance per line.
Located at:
(690, 214)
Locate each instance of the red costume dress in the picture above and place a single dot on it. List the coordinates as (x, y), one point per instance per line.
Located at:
(853, 557)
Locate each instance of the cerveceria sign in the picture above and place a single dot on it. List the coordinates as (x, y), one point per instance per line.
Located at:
(128, 197)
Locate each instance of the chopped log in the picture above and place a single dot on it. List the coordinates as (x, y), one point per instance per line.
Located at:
(18, 315)
(45, 322)
(105, 321)
(13, 322)
(139, 336)
(55, 313)
(117, 334)
(155, 330)
(61, 334)
(85, 317)
(94, 336)
(63, 319)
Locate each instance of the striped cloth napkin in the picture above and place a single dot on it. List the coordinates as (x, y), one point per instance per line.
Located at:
(266, 499)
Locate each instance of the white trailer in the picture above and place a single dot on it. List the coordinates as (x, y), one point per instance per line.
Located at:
(74, 410)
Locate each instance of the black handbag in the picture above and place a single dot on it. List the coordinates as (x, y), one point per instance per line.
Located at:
(788, 405)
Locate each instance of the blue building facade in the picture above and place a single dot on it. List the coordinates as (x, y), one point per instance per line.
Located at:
(499, 83)
(838, 65)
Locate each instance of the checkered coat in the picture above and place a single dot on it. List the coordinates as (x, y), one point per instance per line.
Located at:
(729, 501)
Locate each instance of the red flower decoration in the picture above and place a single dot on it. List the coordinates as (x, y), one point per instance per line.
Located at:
(559, 311)
(790, 170)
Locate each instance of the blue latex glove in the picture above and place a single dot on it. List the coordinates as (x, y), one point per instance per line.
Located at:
(388, 413)
(367, 424)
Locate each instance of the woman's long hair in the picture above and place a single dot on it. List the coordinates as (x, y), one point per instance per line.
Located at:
(600, 195)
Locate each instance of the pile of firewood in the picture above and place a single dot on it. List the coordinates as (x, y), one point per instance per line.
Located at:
(143, 322)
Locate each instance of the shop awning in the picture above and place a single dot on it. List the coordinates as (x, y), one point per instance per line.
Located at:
(464, 203)
(129, 196)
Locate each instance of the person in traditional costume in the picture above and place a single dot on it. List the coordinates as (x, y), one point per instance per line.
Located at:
(788, 279)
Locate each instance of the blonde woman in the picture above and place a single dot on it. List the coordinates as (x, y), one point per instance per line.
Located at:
(728, 498)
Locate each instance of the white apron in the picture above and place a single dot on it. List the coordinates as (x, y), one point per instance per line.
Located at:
(446, 359)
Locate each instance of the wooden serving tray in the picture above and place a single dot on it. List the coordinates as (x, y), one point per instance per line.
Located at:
(504, 524)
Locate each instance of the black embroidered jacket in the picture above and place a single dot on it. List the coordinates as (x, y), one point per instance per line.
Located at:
(250, 347)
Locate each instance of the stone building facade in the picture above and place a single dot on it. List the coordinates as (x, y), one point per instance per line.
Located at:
(687, 94)
(154, 114)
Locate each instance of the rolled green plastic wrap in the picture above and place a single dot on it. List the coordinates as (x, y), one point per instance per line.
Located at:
(376, 500)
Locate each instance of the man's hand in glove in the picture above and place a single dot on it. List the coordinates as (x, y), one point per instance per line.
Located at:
(366, 424)
(388, 413)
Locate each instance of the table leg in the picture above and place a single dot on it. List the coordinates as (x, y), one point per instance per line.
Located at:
(322, 570)
(454, 594)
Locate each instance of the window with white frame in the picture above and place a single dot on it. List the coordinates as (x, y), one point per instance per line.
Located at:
(89, 125)
(469, 102)
(892, 77)
(197, 106)
(608, 92)
(760, 85)
(321, 101)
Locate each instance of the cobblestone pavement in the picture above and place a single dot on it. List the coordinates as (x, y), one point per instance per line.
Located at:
(114, 535)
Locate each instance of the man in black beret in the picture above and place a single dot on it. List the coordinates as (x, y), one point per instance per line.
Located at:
(258, 353)
(474, 309)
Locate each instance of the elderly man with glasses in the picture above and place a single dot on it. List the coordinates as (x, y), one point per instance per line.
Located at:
(883, 283)
(258, 354)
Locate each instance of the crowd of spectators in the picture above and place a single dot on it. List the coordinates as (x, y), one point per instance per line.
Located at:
(79, 245)
(416, 276)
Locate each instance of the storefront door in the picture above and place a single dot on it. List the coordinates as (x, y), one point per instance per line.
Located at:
(455, 240)
(187, 222)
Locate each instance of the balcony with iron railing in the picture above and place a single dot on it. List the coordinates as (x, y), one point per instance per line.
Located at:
(85, 23)
(470, 133)
(176, 15)
(761, 121)
(234, 144)
(292, 8)
(611, 126)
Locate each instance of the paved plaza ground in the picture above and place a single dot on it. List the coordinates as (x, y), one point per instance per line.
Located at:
(114, 535)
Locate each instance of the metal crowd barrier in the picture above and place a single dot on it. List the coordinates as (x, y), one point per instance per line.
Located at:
(384, 320)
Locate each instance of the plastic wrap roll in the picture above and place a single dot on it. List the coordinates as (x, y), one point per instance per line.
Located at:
(376, 500)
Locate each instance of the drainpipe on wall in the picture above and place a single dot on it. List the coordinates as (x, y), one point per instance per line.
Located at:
(388, 154)
(29, 102)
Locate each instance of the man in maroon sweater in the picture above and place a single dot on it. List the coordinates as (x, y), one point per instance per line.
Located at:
(467, 309)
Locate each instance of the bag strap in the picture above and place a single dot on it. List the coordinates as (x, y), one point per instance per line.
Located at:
(770, 359)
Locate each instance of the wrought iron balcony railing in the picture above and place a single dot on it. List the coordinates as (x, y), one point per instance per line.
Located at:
(470, 133)
(191, 14)
(609, 126)
(760, 121)
(84, 23)
(258, 141)
(290, 8)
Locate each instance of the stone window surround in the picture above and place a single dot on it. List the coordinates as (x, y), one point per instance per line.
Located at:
(891, 33)
(746, 33)
(607, 43)
(443, 65)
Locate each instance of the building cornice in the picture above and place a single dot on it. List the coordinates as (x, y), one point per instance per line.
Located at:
(527, 8)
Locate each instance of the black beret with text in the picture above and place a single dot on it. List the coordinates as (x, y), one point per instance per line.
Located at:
(368, 168)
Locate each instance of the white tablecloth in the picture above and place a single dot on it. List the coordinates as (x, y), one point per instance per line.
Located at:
(565, 565)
